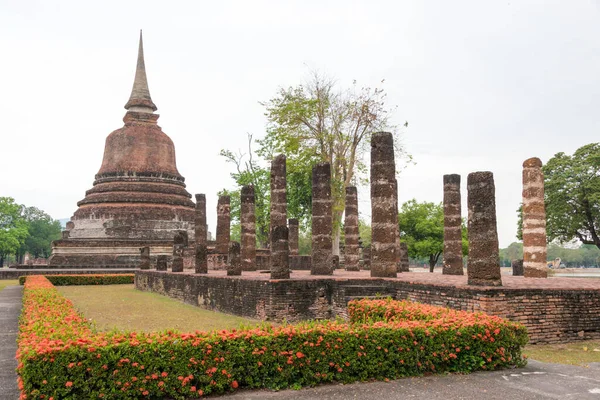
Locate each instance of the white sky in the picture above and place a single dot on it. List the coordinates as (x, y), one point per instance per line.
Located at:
(483, 84)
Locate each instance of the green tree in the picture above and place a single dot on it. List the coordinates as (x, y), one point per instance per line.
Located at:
(42, 231)
(514, 251)
(572, 196)
(13, 228)
(249, 171)
(422, 229)
(318, 122)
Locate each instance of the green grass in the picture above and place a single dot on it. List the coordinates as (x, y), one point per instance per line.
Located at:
(4, 284)
(575, 353)
(124, 308)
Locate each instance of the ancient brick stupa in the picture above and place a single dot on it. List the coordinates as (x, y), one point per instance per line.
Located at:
(138, 198)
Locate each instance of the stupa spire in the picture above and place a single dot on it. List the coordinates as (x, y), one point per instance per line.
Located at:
(140, 99)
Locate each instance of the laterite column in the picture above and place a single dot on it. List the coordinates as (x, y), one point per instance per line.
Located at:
(453, 260)
(223, 225)
(322, 221)
(351, 248)
(248, 233)
(534, 220)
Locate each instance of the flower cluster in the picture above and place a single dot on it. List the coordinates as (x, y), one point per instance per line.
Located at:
(88, 279)
(60, 357)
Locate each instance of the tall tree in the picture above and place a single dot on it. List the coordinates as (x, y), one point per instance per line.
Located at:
(572, 196)
(13, 228)
(42, 231)
(422, 229)
(318, 122)
(250, 171)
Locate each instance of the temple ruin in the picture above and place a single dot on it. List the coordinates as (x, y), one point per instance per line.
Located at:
(534, 220)
(138, 199)
(453, 257)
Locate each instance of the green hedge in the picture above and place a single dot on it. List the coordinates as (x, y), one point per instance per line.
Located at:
(60, 356)
(95, 279)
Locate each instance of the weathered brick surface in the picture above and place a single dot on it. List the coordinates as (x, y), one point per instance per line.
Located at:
(351, 249)
(201, 258)
(322, 220)
(280, 253)
(234, 262)
(517, 267)
(484, 259)
(278, 210)
(223, 225)
(384, 210)
(137, 195)
(248, 229)
(453, 260)
(562, 310)
(162, 262)
(145, 257)
(404, 262)
(294, 228)
(200, 235)
(534, 220)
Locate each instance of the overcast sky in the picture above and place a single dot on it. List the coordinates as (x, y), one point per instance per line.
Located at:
(484, 85)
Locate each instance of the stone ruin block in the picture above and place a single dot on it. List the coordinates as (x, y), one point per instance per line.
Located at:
(179, 243)
(145, 257)
(201, 258)
(294, 234)
(534, 220)
(248, 229)
(234, 262)
(366, 258)
(404, 262)
(517, 267)
(483, 268)
(223, 225)
(280, 268)
(322, 220)
(384, 211)
(200, 227)
(278, 211)
(351, 247)
(162, 262)
(452, 258)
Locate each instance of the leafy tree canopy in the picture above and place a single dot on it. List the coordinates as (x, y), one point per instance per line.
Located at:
(13, 227)
(572, 196)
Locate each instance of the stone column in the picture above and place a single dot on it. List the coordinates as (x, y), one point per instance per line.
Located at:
(161, 262)
(384, 212)
(294, 233)
(366, 256)
(483, 268)
(278, 192)
(517, 267)
(534, 220)
(201, 261)
(248, 227)
(322, 220)
(404, 263)
(351, 249)
(397, 229)
(280, 265)
(179, 242)
(234, 262)
(145, 257)
(453, 260)
(200, 220)
(223, 225)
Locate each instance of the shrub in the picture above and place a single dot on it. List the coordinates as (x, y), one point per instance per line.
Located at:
(60, 357)
(91, 279)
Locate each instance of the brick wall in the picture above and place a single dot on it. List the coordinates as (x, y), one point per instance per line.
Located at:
(550, 315)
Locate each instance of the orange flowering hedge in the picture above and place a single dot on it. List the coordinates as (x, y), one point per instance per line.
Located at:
(89, 279)
(60, 357)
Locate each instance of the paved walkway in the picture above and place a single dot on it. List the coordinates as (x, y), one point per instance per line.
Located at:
(536, 381)
(10, 308)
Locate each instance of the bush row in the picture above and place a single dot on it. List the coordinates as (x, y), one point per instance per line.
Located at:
(61, 358)
(91, 279)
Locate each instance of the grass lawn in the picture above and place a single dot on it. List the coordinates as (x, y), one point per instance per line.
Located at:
(4, 284)
(124, 308)
(576, 353)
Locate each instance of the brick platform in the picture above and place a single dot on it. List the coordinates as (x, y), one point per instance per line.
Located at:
(554, 310)
(16, 273)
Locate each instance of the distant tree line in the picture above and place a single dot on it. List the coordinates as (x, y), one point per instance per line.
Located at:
(25, 230)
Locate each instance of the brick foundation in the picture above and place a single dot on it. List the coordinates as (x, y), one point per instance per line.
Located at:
(564, 309)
